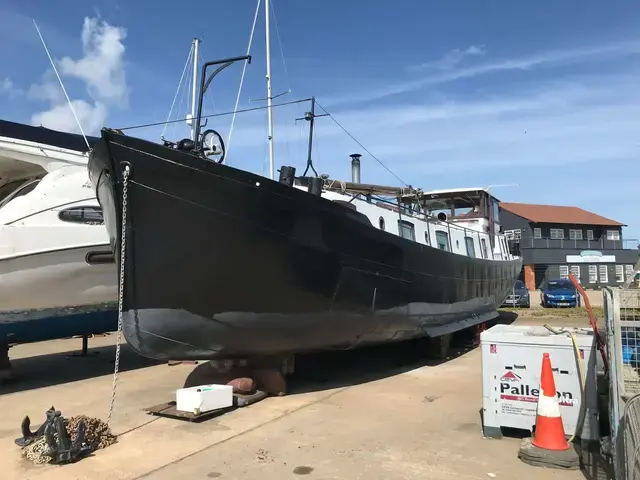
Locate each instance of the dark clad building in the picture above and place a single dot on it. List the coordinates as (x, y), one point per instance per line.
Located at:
(555, 241)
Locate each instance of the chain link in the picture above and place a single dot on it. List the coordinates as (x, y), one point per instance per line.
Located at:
(123, 244)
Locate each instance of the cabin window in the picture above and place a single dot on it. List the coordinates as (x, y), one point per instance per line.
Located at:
(407, 230)
(85, 215)
(483, 248)
(589, 234)
(442, 239)
(575, 234)
(426, 236)
(557, 234)
(537, 233)
(471, 249)
(613, 235)
(381, 223)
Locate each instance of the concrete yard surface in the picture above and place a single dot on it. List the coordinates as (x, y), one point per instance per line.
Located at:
(381, 413)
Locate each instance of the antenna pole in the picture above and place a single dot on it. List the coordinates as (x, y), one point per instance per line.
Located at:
(269, 98)
(196, 44)
(311, 118)
(73, 110)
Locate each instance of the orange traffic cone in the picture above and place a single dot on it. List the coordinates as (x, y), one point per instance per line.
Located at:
(549, 429)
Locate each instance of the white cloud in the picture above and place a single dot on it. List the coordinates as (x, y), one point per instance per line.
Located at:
(453, 58)
(550, 124)
(100, 69)
(7, 87)
(525, 63)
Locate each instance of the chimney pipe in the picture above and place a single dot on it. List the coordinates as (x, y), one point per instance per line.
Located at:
(355, 167)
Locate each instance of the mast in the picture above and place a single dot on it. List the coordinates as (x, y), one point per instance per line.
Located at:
(269, 99)
(196, 44)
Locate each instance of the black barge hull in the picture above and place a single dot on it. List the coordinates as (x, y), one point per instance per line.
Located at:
(222, 263)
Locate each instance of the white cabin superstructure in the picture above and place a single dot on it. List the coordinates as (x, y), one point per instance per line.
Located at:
(463, 221)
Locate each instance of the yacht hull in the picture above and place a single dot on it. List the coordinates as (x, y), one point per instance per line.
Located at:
(222, 263)
(57, 294)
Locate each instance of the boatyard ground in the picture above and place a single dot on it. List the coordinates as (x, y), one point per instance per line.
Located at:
(379, 413)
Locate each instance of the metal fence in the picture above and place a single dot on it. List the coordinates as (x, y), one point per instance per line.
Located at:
(622, 322)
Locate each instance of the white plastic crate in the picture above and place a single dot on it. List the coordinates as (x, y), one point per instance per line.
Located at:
(204, 398)
(511, 367)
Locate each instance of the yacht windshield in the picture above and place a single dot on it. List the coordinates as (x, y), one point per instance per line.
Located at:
(20, 191)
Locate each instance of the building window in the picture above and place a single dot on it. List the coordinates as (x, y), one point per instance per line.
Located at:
(613, 235)
(619, 273)
(575, 271)
(564, 271)
(471, 249)
(557, 234)
(381, 223)
(513, 234)
(442, 239)
(575, 234)
(629, 270)
(604, 273)
(483, 248)
(589, 234)
(537, 233)
(407, 230)
(85, 215)
(593, 274)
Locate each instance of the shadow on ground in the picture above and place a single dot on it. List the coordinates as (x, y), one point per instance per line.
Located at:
(315, 372)
(61, 367)
(328, 370)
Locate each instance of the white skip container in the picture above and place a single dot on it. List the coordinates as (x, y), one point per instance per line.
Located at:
(511, 368)
(204, 398)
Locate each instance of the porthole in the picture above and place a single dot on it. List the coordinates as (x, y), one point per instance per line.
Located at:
(86, 215)
(381, 223)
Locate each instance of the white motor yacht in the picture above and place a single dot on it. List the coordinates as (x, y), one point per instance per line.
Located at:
(55, 257)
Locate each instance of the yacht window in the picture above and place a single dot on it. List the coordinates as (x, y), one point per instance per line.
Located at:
(20, 191)
(86, 215)
(381, 223)
(483, 247)
(407, 230)
(442, 239)
(471, 249)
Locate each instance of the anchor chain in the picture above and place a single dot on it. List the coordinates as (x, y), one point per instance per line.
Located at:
(123, 244)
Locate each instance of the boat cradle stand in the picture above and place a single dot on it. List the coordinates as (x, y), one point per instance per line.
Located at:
(6, 373)
(268, 372)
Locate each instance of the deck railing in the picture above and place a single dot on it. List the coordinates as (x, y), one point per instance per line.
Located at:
(596, 244)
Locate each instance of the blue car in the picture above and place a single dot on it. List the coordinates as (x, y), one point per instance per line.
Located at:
(518, 297)
(560, 293)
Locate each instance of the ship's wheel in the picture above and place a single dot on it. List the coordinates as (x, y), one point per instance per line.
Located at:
(212, 145)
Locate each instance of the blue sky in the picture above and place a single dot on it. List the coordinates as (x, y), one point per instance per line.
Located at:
(447, 94)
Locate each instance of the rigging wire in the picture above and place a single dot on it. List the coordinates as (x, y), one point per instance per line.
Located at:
(184, 70)
(244, 69)
(213, 102)
(222, 114)
(183, 105)
(361, 145)
(64, 90)
(284, 63)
